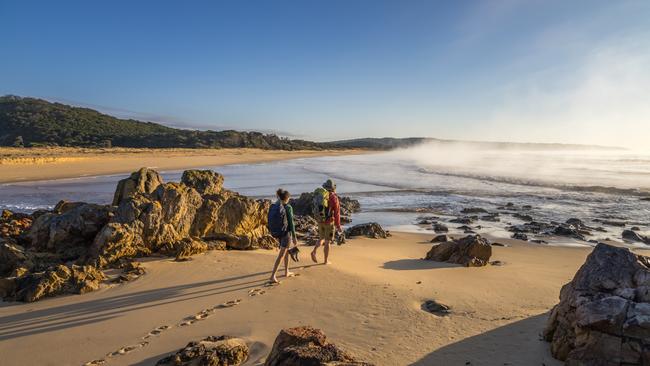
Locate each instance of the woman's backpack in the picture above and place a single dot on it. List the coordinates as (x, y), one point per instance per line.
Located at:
(320, 204)
(278, 223)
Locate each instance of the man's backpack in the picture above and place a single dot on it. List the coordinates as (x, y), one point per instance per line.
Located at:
(278, 223)
(320, 204)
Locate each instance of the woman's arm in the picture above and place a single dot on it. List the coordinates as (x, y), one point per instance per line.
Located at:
(292, 226)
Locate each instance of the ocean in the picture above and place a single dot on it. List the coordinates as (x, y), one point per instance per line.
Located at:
(396, 188)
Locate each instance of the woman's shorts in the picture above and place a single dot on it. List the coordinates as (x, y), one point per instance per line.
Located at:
(326, 231)
(285, 240)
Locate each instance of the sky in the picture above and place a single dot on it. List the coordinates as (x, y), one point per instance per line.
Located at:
(498, 70)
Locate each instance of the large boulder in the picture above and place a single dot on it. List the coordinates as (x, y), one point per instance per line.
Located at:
(70, 232)
(371, 230)
(217, 351)
(603, 317)
(204, 181)
(59, 280)
(144, 181)
(307, 346)
(470, 251)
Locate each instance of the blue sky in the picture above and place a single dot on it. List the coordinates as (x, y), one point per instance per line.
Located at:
(512, 70)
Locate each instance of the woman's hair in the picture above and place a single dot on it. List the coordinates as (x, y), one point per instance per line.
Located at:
(282, 194)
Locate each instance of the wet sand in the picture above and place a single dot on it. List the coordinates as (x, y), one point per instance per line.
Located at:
(35, 164)
(368, 301)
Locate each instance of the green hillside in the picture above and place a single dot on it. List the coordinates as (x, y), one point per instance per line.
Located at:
(36, 122)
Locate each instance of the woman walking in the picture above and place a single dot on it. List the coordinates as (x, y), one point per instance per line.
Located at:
(282, 228)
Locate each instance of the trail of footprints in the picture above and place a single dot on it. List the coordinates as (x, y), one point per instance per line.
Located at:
(203, 314)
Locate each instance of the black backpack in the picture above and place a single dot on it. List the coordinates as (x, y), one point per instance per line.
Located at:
(277, 221)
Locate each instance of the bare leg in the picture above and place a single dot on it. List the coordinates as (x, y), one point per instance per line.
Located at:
(326, 249)
(313, 252)
(286, 265)
(282, 254)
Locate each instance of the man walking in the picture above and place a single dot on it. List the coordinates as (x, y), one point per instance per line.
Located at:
(328, 213)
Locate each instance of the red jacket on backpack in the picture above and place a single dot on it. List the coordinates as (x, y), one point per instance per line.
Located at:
(335, 211)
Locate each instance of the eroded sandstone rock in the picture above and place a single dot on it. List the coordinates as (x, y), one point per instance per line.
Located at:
(61, 279)
(603, 317)
(204, 181)
(305, 345)
(211, 351)
(144, 181)
(470, 251)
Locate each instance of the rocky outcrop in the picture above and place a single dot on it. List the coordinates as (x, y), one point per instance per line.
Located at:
(204, 181)
(13, 224)
(217, 351)
(635, 237)
(470, 251)
(603, 317)
(440, 228)
(155, 222)
(69, 231)
(473, 210)
(144, 181)
(520, 236)
(188, 247)
(302, 346)
(371, 230)
(62, 279)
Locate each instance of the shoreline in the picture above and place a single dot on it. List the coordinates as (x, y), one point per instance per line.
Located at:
(40, 164)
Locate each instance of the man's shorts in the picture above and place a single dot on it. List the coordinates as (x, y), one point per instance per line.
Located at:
(326, 231)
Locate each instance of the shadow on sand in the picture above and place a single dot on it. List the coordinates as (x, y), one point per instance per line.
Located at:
(518, 343)
(410, 264)
(104, 308)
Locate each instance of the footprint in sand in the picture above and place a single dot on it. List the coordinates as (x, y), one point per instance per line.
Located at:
(126, 349)
(157, 331)
(227, 304)
(95, 362)
(256, 291)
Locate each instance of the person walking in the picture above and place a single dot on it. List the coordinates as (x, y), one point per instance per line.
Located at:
(281, 225)
(327, 211)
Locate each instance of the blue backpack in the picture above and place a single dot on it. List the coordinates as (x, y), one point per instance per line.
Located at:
(277, 221)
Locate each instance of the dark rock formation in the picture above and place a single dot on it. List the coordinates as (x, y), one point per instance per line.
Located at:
(493, 217)
(217, 351)
(520, 236)
(144, 181)
(306, 346)
(370, 230)
(440, 239)
(603, 317)
(473, 210)
(636, 237)
(470, 251)
(523, 217)
(570, 231)
(466, 220)
(436, 308)
(440, 228)
(302, 205)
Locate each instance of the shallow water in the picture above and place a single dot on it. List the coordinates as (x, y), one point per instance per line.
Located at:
(395, 188)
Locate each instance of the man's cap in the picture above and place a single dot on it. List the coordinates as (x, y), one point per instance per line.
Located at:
(329, 184)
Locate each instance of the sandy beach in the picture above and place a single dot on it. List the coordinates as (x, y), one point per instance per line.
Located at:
(34, 164)
(368, 301)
